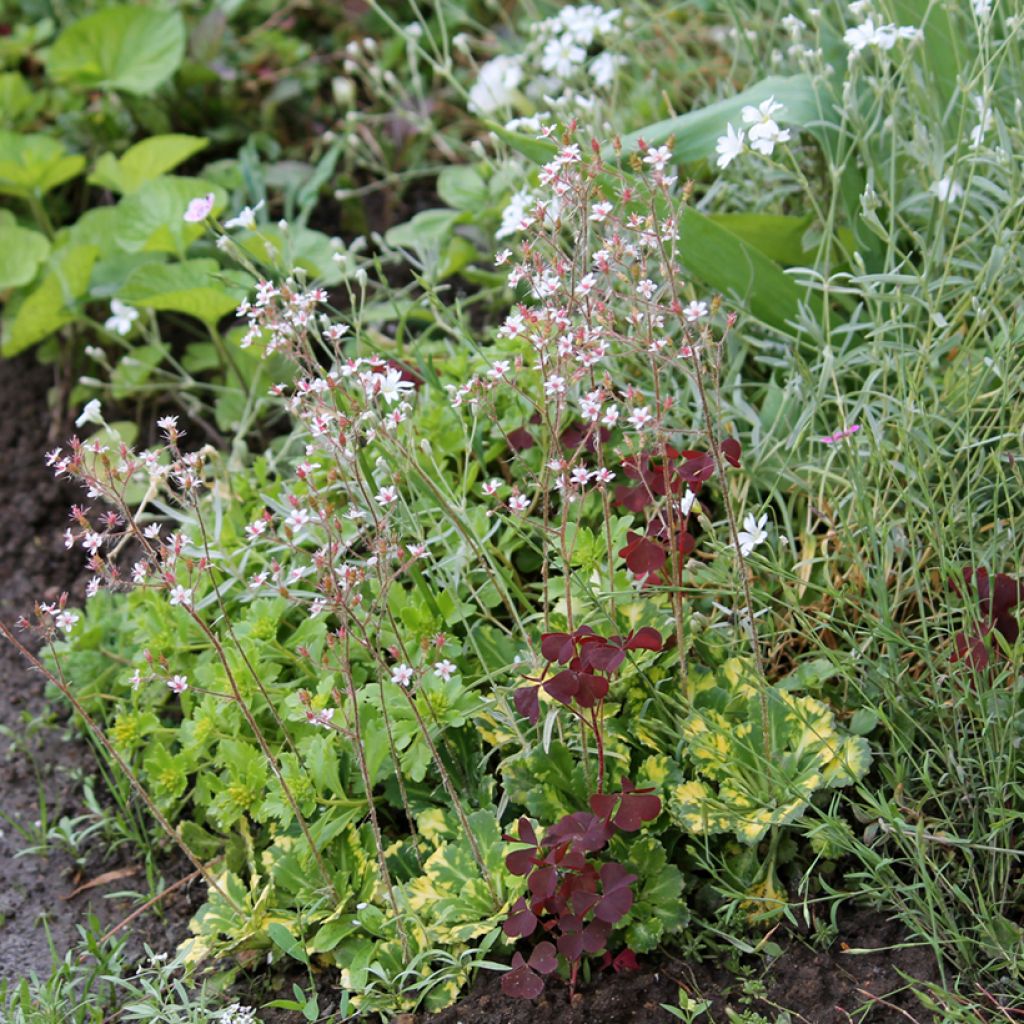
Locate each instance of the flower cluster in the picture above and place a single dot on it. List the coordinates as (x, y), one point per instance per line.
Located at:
(763, 134)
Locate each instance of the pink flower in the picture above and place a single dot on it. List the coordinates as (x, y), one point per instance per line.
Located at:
(199, 209)
(840, 435)
(178, 683)
(321, 718)
(386, 496)
(181, 595)
(519, 503)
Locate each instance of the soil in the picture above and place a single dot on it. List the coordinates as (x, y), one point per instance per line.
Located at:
(837, 985)
(41, 762)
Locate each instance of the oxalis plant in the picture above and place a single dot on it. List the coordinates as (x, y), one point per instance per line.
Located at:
(453, 559)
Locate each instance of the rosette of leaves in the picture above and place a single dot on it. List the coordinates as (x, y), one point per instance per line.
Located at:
(741, 788)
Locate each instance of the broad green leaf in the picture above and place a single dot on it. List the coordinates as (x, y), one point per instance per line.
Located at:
(778, 236)
(131, 48)
(196, 287)
(51, 305)
(284, 939)
(743, 274)
(428, 228)
(31, 165)
(144, 161)
(21, 252)
(462, 188)
(153, 218)
(16, 98)
(695, 133)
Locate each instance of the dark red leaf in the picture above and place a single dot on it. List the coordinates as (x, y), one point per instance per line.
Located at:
(543, 881)
(645, 639)
(564, 685)
(521, 862)
(595, 936)
(731, 450)
(591, 689)
(521, 982)
(602, 804)
(617, 895)
(642, 556)
(521, 920)
(527, 702)
(625, 961)
(520, 439)
(560, 647)
(543, 958)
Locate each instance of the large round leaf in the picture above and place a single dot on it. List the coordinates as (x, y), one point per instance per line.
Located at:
(134, 49)
(21, 252)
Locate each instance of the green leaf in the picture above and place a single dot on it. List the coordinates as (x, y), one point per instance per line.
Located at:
(21, 252)
(16, 98)
(462, 188)
(152, 219)
(778, 236)
(31, 165)
(144, 161)
(131, 48)
(696, 132)
(743, 273)
(284, 939)
(50, 306)
(943, 49)
(428, 228)
(198, 288)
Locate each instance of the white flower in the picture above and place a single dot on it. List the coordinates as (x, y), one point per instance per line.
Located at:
(753, 534)
(181, 595)
(519, 503)
(639, 418)
(982, 8)
(604, 67)
(386, 496)
(445, 670)
(391, 386)
(495, 86)
(92, 413)
(658, 158)
(516, 216)
(764, 130)
(402, 675)
(729, 146)
(121, 317)
(686, 502)
(946, 190)
(562, 55)
(246, 217)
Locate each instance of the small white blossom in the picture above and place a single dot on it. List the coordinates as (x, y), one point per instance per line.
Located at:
(753, 534)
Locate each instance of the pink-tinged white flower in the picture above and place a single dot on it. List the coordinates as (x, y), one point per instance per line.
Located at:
(402, 675)
(603, 476)
(586, 284)
(519, 503)
(610, 416)
(695, 310)
(502, 257)
(320, 718)
(298, 518)
(490, 487)
(200, 208)
(69, 538)
(840, 435)
(92, 542)
(121, 318)
(181, 595)
(65, 620)
(169, 425)
(152, 532)
(729, 146)
(93, 586)
(554, 385)
(753, 534)
(658, 158)
(500, 368)
(136, 679)
(256, 529)
(140, 570)
(599, 211)
(646, 288)
(580, 476)
(444, 670)
(641, 417)
(178, 683)
(386, 496)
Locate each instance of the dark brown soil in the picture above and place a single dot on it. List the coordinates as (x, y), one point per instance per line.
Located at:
(833, 986)
(41, 764)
